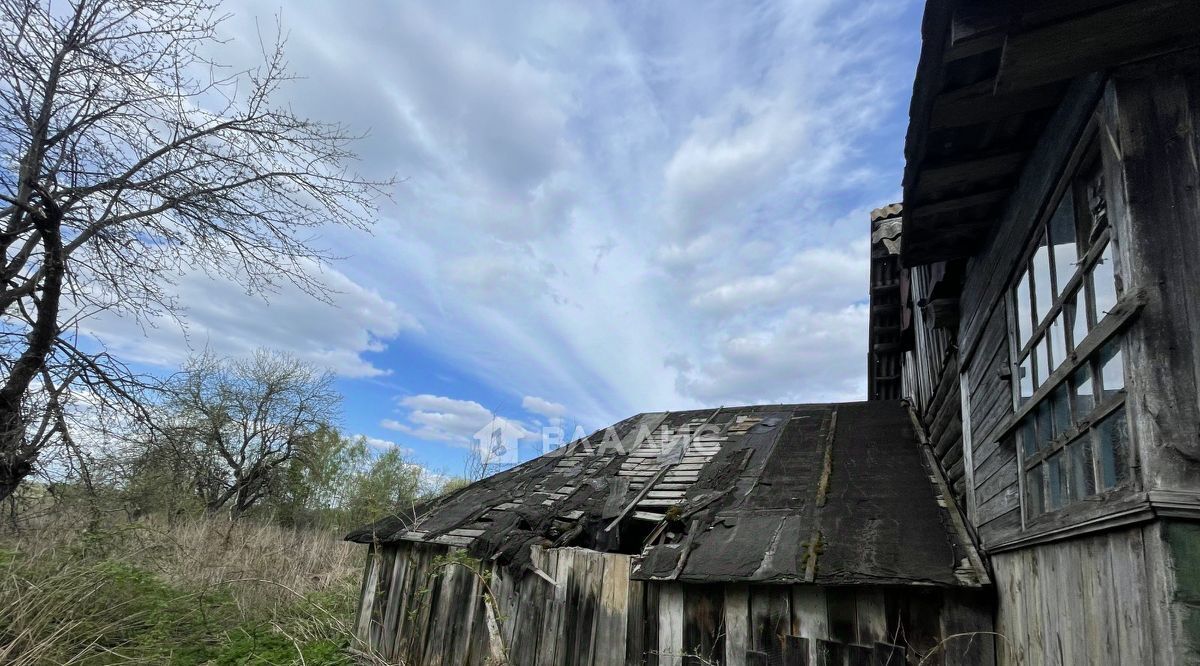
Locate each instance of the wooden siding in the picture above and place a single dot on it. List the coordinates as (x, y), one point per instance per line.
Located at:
(594, 615)
(997, 492)
(1083, 601)
(931, 383)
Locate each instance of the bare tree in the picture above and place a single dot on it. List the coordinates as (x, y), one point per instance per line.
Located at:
(238, 423)
(130, 158)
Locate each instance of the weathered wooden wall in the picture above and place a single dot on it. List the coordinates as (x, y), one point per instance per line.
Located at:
(594, 615)
(1151, 117)
(931, 384)
(1097, 583)
(1090, 600)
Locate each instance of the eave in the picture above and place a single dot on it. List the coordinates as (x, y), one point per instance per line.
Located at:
(990, 75)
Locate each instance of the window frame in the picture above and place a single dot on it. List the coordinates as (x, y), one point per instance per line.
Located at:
(1047, 384)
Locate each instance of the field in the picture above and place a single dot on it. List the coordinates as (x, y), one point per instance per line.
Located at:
(204, 591)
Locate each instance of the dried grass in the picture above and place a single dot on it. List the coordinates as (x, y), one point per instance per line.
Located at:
(150, 593)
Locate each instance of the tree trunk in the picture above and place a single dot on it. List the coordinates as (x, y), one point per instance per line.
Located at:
(17, 455)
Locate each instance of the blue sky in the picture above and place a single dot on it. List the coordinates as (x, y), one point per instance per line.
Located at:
(604, 209)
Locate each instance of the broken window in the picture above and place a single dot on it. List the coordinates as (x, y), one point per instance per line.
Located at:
(1073, 442)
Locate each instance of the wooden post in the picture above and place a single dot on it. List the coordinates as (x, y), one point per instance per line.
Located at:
(1151, 115)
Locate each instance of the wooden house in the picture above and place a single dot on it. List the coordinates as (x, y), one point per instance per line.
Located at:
(1050, 264)
(776, 534)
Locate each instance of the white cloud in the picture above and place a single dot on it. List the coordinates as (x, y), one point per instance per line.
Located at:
(442, 419)
(626, 207)
(219, 315)
(544, 407)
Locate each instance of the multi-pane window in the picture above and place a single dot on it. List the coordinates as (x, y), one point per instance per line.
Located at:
(1073, 440)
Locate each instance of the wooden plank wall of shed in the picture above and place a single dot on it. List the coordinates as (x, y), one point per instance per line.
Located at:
(933, 386)
(1088, 600)
(596, 616)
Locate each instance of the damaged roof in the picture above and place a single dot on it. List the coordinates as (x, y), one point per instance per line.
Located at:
(827, 494)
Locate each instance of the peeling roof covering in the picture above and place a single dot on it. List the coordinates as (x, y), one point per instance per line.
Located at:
(827, 494)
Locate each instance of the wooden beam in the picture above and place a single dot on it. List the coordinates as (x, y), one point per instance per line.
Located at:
(978, 103)
(939, 243)
(1096, 41)
(990, 197)
(964, 172)
(977, 27)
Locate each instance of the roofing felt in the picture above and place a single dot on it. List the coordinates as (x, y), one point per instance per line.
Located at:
(826, 494)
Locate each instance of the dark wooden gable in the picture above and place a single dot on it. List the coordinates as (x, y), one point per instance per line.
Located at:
(990, 76)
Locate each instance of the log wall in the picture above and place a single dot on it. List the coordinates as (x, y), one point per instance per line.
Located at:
(420, 609)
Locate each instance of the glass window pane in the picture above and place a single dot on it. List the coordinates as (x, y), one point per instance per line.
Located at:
(1061, 411)
(1044, 416)
(1112, 368)
(1062, 236)
(1042, 351)
(1104, 283)
(1083, 478)
(1042, 293)
(1056, 485)
(1025, 372)
(1033, 491)
(1028, 436)
(1083, 395)
(1058, 342)
(1024, 311)
(1112, 449)
(1077, 316)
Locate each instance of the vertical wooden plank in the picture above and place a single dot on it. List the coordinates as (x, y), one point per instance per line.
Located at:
(1164, 594)
(636, 625)
(670, 625)
(810, 617)
(504, 587)
(589, 568)
(441, 612)
(795, 651)
(428, 587)
(414, 575)
(614, 612)
(871, 617)
(1092, 603)
(552, 638)
(367, 599)
(770, 619)
(1035, 608)
(737, 622)
(394, 600)
(887, 654)
(703, 623)
(653, 592)
(1129, 586)
(382, 583)
(1075, 607)
(530, 636)
(968, 616)
(842, 615)
(1010, 616)
(467, 594)
(404, 590)
(964, 385)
